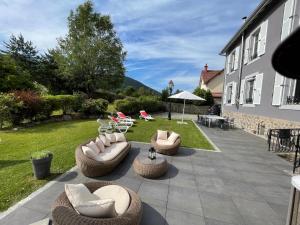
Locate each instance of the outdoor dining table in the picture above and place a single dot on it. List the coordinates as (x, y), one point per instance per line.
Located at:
(210, 118)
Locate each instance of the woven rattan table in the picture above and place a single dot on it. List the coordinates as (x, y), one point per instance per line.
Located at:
(150, 168)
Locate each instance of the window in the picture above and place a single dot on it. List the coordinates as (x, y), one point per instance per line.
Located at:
(292, 92)
(231, 61)
(254, 44)
(249, 90)
(229, 94)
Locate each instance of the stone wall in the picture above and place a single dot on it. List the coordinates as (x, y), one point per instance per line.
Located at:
(250, 122)
(189, 108)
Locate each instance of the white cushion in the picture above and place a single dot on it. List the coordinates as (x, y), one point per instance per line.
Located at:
(110, 137)
(89, 152)
(117, 193)
(162, 135)
(100, 145)
(104, 208)
(164, 142)
(105, 141)
(88, 204)
(111, 152)
(79, 193)
(93, 146)
(120, 137)
(173, 137)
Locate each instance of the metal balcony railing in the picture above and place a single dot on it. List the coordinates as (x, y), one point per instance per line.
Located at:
(283, 140)
(249, 100)
(292, 100)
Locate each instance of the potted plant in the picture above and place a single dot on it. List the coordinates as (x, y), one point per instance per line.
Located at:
(41, 163)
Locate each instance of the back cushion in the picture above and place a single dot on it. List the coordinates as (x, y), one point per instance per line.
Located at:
(120, 137)
(173, 137)
(93, 146)
(78, 193)
(100, 144)
(105, 141)
(110, 137)
(162, 135)
(89, 152)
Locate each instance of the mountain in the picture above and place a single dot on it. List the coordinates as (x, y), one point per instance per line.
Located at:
(128, 81)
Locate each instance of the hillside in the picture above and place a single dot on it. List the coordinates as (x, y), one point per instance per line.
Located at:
(128, 81)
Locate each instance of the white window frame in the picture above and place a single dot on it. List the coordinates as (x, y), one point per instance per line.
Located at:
(247, 78)
(289, 89)
(255, 33)
(229, 85)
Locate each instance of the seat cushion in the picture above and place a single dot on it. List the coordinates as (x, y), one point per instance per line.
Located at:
(112, 151)
(102, 208)
(79, 193)
(120, 137)
(164, 142)
(162, 135)
(173, 137)
(89, 152)
(118, 194)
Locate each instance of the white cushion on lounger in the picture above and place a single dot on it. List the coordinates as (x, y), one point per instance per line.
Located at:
(112, 151)
(89, 152)
(88, 204)
(164, 142)
(100, 145)
(105, 141)
(118, 194)
(110, 137)
(173, 137)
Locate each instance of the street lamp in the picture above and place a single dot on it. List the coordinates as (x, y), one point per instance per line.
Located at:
(170, 86)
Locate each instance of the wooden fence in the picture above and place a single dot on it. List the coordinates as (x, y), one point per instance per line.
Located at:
(189, 108)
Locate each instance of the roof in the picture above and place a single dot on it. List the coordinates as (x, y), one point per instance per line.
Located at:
(208, 75)
(260, 9)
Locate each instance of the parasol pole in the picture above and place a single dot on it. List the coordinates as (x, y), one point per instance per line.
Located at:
(183, 110)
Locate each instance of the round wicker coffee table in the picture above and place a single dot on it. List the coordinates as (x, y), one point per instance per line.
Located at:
(150, 168)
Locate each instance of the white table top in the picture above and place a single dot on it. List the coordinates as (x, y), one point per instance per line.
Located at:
(214, 117)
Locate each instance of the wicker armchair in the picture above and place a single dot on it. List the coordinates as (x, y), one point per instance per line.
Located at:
(93, 168)
(64, 214)
(166, 149)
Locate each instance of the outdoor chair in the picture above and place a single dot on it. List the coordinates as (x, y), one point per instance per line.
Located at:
(146, 116)
(64, 214)
(224, 124)
(123, 117)
(120, 122)
(104, 127)
(231, 123)
(166, 149)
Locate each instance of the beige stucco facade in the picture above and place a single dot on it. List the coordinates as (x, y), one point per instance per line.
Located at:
(214, 85)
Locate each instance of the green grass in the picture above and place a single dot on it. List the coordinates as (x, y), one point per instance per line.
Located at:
(61, 138)
(190, 135)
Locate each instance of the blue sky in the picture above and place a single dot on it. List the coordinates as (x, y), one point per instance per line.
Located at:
(164, 39)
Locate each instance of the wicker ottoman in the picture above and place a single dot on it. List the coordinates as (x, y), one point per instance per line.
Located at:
(150, 168)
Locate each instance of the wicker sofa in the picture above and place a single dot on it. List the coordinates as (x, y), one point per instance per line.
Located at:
(64, 214)
(165, 149)
(92, 168)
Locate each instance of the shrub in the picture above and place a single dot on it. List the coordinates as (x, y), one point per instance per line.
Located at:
(206, 94)
(134, 105)
(94, 106)
(41, 154)
(107, 95)
(8, 105)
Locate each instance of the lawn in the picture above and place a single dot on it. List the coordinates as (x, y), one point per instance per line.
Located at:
(191, 136)
(16, 178)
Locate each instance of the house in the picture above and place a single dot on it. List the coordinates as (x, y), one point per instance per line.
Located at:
(212, 80)
(254, 94)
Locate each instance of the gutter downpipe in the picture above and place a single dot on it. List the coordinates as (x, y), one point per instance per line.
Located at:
(224, 83)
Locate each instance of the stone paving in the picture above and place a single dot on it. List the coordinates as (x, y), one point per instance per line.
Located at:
(242, 185)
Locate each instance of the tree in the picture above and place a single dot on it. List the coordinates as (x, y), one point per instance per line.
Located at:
(23, 52)
(91, 55)
(165, 94)
(206, 94)
(12, 76)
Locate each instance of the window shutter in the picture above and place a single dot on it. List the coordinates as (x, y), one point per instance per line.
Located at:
(227, 64)
(246, 51)
(225, 94)
(278, 89)
(233, 96)
(262, 38)
(237, 56)
(242, 91)
(258, 87)
(287, 19)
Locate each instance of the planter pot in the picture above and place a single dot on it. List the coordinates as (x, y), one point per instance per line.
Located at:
(41, 167)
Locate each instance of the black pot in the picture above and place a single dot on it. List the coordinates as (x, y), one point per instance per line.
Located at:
(41, 167)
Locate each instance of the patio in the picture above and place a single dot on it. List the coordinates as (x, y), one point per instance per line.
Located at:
(244, 184)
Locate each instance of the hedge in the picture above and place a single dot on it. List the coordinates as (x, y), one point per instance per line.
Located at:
(95, 107)
(134, 105)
